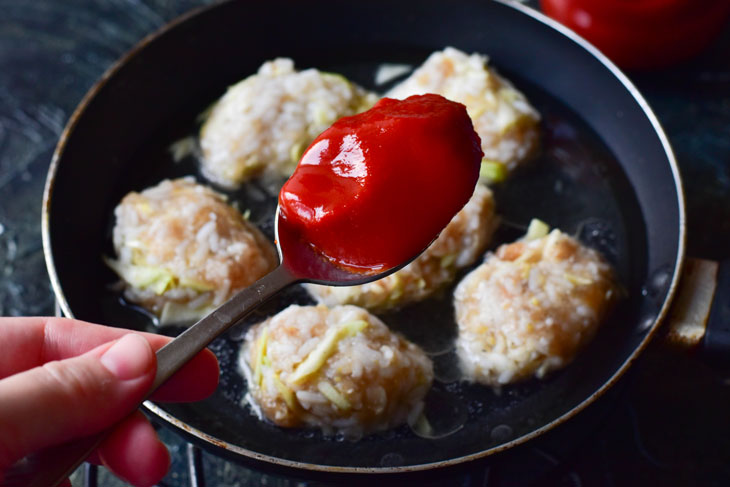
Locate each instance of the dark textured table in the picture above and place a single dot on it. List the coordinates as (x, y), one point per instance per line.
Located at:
(672, 424)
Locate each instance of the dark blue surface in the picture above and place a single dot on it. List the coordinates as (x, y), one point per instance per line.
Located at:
(670, 426)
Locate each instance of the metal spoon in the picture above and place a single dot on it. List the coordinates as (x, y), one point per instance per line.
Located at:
(299, 262)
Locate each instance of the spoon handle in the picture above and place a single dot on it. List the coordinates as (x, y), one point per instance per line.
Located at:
(180, 350)
(50, 467)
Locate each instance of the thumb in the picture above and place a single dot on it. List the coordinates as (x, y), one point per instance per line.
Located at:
(72, 398)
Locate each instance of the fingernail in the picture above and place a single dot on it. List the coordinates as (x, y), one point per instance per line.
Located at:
(129, 358)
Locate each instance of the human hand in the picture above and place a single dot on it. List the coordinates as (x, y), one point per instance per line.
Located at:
(62, 379)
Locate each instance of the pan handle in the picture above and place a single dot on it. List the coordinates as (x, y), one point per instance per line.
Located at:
(700, 315)
(716, 345)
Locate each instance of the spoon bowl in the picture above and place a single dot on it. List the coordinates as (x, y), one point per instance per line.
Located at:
(307, 265)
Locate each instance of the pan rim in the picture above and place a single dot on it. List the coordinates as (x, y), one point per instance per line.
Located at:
(335, 469)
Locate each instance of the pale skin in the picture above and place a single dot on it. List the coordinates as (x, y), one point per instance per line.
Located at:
(62, 379)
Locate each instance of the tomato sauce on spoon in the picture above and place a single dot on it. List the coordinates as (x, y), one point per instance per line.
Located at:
(375, 189)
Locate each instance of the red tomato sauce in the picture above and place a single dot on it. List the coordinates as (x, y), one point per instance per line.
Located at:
(375, 189)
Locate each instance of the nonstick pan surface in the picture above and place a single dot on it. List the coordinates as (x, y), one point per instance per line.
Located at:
(605, 174)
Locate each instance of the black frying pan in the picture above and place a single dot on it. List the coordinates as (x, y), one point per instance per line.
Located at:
(605, 173)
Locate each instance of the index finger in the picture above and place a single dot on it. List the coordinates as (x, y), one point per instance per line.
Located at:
(31, 342)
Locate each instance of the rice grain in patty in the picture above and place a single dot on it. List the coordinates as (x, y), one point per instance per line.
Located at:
(263, 123)
(502, 115)
(530, 307)
(182, 250)
(340, 370)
